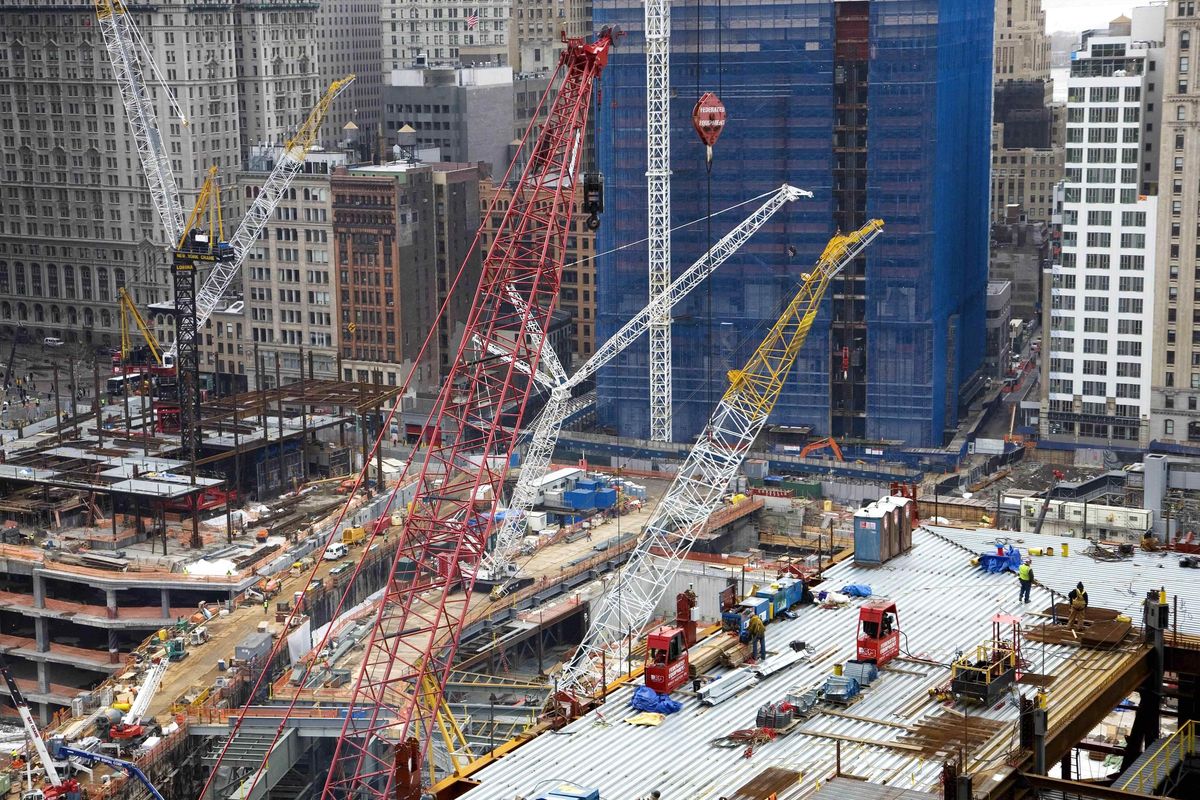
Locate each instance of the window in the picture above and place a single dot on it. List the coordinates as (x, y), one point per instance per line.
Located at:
(1169, 427)
(1129, 283)
(1129, 369)
(1097, 283)
(1129, 326)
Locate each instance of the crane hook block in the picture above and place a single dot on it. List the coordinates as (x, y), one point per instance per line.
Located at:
(593, 198)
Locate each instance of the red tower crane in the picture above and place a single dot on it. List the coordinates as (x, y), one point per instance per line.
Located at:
(476, 422)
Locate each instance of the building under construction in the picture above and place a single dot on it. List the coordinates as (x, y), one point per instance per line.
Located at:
(324, 622)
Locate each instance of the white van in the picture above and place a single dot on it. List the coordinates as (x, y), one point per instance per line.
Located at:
(52, 341)
(335, 551)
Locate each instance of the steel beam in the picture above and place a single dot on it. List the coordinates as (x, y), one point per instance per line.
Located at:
(1083, 790)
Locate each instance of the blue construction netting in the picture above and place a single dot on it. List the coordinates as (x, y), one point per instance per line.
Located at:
(929, 116)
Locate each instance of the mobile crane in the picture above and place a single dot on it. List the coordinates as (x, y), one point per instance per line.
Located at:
(61, 751)
(702, 480)
(130, 729)
(59, 788)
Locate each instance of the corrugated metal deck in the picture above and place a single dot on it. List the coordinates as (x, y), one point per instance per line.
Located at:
(945, 606)
(1119, 585)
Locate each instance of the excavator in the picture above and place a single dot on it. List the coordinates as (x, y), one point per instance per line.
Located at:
(821, 444)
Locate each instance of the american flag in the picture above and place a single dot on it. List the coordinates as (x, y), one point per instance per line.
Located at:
(472, 20)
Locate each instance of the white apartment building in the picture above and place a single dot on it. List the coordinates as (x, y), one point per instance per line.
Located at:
(1099, 339)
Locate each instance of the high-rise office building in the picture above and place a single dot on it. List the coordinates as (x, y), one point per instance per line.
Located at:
(881, 109)
(1175, 371)
(1026, 158)
(418, 33)
(1098, 341)
(1022, 46)
(77, 221)
(348, 42)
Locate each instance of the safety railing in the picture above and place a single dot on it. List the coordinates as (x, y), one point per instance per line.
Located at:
(1157, 769)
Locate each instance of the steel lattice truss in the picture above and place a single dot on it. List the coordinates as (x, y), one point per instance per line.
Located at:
(658, 190)
(498, 563)
(420, 619)
(704, 478)
(122, 42)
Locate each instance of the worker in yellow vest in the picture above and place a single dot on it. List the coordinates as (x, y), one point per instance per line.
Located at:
(1025, 577)
(1078, 599)
(758, 637)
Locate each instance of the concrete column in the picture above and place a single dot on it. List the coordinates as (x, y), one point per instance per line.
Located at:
(110, 600)
(43, 677)
(114, 650)
(39, 591)
(41, 627)
(166, 603)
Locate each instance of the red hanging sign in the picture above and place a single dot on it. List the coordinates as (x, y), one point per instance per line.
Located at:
(708, 118)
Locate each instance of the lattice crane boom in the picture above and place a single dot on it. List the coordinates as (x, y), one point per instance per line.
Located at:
(418, 623)
(704, 477)
(499, 562)
(658, 196)
(124, 44)
(291, 159)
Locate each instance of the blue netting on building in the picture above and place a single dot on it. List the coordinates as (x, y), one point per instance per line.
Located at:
(927, 275)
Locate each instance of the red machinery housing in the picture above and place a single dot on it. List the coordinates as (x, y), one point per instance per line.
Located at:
(666, 659)
(878, 631)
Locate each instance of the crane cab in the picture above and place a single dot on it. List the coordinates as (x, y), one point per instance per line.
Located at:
(878, 632)
(666, 659)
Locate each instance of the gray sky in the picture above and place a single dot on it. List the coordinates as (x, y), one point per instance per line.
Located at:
(1078, 15)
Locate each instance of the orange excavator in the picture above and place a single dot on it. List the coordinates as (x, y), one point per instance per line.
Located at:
(821, 444)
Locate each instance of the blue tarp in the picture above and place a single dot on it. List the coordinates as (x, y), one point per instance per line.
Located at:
(856, 590)
(991, 561)
(646, 699)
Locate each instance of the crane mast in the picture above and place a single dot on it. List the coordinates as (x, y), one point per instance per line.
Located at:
(704, 477)
(498, 564)
(418, 623)
(123, 43)
(658, 195)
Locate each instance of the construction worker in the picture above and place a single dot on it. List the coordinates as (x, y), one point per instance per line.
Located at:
(1078, 599)
(1025, 577)
(758, 637)
(266, 605)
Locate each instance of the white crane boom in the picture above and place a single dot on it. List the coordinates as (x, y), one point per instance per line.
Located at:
(498, 564)
(123, 42)
(291, 158)
(146, 691)
(658, 195)
(704, 477)
(31, 729)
